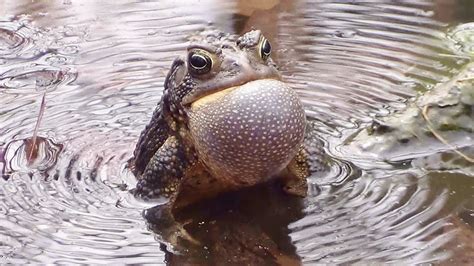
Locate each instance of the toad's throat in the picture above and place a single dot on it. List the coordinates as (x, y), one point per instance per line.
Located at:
(248, 132)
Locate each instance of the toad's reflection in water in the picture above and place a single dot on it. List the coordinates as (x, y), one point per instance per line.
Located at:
(248, 227)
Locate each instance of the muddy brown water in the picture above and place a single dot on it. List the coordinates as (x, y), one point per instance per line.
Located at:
(99, 67)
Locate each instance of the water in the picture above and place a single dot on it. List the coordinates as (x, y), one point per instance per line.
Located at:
(100, 69)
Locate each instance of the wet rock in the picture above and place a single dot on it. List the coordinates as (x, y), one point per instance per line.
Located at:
(441, 120)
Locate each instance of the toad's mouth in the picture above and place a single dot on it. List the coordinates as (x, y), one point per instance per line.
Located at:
(218, 94)
(205, 100)
(247, 75)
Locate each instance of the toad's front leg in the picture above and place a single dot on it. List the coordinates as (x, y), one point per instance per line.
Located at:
(161, 179)
(310, 159)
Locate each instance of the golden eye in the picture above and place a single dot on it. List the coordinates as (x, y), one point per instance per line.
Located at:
(265, 49)
(199, 62)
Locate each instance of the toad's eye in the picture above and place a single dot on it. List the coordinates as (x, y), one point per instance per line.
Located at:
(265, 49)
(199, 62)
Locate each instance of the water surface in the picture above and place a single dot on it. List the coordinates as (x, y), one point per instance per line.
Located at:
(99, 69)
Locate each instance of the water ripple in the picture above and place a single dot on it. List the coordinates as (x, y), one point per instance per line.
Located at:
(374, 219)
(101, 68)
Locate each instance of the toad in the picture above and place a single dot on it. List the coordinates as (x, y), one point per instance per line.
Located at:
(226, 121)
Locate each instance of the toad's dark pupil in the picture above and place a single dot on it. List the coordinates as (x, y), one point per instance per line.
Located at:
(198, 61)
(266, 48)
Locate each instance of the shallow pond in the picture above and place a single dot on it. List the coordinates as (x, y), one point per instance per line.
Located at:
(92, 72)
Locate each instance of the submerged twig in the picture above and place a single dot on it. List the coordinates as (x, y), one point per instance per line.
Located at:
(455, 56)
(35, 132)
